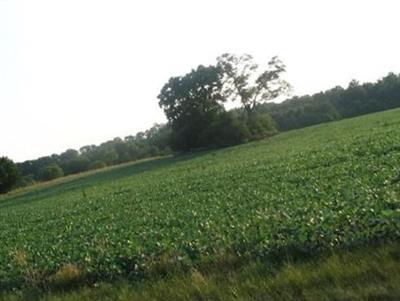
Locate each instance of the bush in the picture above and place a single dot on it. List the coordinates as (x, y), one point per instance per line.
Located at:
(9, 174)
(260, 126)
(75, 166)
(51, 172)
(26, 180)
(226, 130)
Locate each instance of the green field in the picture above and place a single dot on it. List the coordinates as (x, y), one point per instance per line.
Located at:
(298, 194)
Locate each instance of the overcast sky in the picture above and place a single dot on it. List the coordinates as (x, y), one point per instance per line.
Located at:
(81, 72)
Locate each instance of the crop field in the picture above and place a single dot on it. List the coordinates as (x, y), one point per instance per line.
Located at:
(302, 192)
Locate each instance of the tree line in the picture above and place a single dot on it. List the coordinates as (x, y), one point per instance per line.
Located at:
(194, 105)
(337, 103)
(150, 143)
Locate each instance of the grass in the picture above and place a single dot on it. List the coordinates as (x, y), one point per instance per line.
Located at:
(248, 208)
(371, 273)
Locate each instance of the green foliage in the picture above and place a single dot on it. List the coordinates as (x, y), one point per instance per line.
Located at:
(97, 165)
(191, 102)
(336, 103)
(9, 174)
(371, 273)
(76, 165)
(226, 130)
(69, 155)
(229, 129)
(297, 194)
(24, 181)
(260, 126)
(51, 172)
(153, 142)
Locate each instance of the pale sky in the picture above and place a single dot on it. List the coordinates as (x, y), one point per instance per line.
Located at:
(81, 72)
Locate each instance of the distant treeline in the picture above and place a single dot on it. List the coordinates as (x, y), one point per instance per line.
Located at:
(337, 103)
(151, 143)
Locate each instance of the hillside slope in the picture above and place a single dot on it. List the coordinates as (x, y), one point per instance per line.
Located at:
(300, 193)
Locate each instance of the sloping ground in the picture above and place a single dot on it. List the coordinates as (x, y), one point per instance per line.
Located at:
(298, 194)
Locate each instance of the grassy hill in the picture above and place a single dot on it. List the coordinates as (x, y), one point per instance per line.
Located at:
(247, 210)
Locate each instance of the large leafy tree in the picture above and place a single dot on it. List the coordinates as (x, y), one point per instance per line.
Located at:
(8, 174)
(191, 103)
(243, 80)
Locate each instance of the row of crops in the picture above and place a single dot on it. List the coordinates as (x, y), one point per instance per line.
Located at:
(329, 186)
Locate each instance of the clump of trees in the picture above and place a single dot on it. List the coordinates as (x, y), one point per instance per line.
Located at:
(9, 174)
(197, 118)
(194, 103)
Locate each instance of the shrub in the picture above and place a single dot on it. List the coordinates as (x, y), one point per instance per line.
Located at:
(9, 174)
(75, 166)
(25, 180)
(260, 126)
(51, 172)
(226, 130)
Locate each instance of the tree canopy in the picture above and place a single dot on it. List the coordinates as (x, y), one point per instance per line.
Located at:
(191, 103)
(242, 80)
